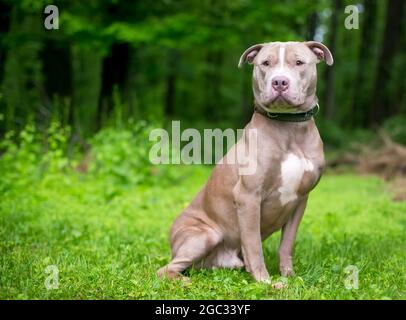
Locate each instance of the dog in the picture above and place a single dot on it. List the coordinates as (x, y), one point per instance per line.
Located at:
(226, 222)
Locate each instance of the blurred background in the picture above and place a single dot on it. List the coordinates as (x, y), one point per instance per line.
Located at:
(117, 64)
(177, 59)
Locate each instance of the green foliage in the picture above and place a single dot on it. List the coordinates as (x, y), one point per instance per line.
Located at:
(54, 157)
(396, 128)
(87, 71)
(339, 138)
(118, 158)
(122, 156)
(177, 59)
(31, 155)
(332, 134)
(19, 163)
(22, 70)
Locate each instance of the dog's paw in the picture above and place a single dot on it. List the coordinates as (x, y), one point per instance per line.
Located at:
(262, 277)
(265, 281)
(166, 273)
(287, 271)
(162, 272)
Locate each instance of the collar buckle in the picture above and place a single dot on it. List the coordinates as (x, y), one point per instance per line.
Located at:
(270, 115)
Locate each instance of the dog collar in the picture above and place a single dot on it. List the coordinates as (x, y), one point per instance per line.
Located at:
(290, 117)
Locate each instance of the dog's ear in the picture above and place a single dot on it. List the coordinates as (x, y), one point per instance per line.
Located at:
(321, 51)
(249, 54)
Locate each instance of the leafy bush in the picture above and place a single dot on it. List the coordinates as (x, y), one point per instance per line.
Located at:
(338, 138)
(118, 158)
(396, 128)
(122, 155)
(333, 135)
(30, 154)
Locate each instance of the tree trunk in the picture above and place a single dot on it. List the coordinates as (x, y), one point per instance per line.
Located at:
(329, 89)
(130, 86)
(213, 80)
(5, 13)
(114, 74)
(57, 71)
(86, 76)
(383, 105)
(401, 88)
(171, 84)
(22, 81)
(312, 23)
(360, 100)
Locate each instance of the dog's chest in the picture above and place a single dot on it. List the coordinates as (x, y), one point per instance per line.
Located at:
(298, 175)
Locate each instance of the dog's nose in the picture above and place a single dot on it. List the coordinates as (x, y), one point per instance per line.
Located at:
(280, 83)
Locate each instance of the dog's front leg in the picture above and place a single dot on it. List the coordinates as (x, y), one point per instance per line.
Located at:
(288, 237)
(248, 205)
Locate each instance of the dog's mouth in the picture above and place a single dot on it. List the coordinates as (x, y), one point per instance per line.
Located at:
(280, 99)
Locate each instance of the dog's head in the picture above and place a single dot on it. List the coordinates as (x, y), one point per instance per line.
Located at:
(285, 75)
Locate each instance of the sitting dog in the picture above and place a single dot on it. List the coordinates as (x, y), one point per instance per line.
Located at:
(225, 224)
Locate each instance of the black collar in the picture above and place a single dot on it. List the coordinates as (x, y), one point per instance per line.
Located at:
(289, 117)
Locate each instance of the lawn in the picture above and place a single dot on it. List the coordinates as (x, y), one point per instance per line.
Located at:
(108, 245)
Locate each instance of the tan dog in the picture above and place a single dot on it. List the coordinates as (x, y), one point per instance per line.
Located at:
(226, 222)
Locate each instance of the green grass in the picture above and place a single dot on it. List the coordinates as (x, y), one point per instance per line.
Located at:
(109, 246)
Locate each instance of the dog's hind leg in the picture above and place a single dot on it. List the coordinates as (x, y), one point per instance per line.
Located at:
(190, 244)
(223, 257)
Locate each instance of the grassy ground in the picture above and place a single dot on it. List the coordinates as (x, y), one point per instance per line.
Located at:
(110, 246)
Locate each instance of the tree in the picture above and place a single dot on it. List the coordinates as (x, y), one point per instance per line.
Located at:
(329, 75)
(361, 102)
(382, 104)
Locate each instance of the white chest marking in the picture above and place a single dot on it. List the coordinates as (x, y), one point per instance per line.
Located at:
(282, 56)
(292, 170)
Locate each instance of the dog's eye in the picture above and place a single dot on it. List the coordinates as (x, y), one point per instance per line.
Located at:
(265, 63)
(299, 63)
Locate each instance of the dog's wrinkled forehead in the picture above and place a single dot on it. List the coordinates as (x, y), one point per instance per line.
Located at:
(307, 52)
(281, 52)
